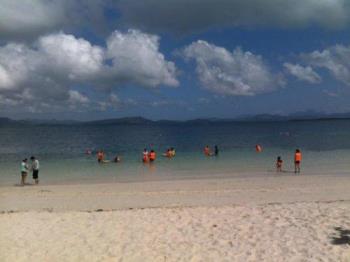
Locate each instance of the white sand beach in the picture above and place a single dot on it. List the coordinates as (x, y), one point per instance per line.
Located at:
(277, 218)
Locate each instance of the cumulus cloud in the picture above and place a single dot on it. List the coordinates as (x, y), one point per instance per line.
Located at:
(184, 16)
(303, 73)
(230, 73)
(335, 59)
(47, 73)
(136, 58)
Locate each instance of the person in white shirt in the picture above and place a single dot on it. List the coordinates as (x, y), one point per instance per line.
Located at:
(24, 171)
(35, 169)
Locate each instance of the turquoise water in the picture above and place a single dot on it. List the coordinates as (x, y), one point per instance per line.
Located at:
(61, 150)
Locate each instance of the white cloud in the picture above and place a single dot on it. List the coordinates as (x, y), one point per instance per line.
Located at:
(75, 57)
(230, 73)
(303, 73)
(136, 58)
(47, 72)
(184, 16)
(335, 59)
(76, 97)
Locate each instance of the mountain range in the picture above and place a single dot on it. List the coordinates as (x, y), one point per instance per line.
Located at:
(4, 121)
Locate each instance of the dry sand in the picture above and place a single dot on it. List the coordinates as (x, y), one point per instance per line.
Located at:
(286, 218)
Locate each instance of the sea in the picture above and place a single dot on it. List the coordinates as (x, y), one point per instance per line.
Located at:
(61, 150)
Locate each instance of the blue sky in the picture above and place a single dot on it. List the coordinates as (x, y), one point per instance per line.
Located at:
(167, 59)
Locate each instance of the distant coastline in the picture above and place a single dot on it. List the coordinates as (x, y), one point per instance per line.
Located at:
(5, 121)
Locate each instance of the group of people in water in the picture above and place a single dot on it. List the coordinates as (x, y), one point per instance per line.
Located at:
(33, 167)
(149, 156)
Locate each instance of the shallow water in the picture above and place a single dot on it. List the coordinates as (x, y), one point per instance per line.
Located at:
(61, 150)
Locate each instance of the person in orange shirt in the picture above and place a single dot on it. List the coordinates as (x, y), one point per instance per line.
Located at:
(297, 161)
(152, 156)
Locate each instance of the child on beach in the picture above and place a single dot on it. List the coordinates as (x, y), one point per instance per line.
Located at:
(279, 163)
(297, 161)
(24, 171)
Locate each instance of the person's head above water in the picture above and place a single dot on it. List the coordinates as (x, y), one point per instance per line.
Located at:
(278, 158)
(24, 160)
(32, 158)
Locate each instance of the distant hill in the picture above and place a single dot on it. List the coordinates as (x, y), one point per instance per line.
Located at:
(119, 121)
(310, 116)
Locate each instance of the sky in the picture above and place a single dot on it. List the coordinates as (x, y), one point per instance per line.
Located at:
(173, 59)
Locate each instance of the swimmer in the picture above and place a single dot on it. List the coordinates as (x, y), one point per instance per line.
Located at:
(207, 151)
(279, 163)
(152, 156)
(88, 152)
(297, 161)
(145, 158)
(117, 159)
(172, 152)
(258, 148)
(167, 153)
(100, 156)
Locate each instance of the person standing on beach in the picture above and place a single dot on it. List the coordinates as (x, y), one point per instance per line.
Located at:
(24, 171)
(297, 161)
(35, 169)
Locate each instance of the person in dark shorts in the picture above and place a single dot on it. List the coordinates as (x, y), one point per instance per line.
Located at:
(279, 163)
(297, 161)
(35, 169)
(216, 150)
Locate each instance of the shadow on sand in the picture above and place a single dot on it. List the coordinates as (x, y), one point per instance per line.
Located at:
(342, 238)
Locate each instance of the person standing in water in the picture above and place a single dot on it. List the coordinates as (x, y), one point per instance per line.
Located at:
(216, 150)
(297, 161)
(100, 156)
(279, 163)
(24, 171)
(207, 151)
(152, 156)
(145, 157)
(35, 169)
